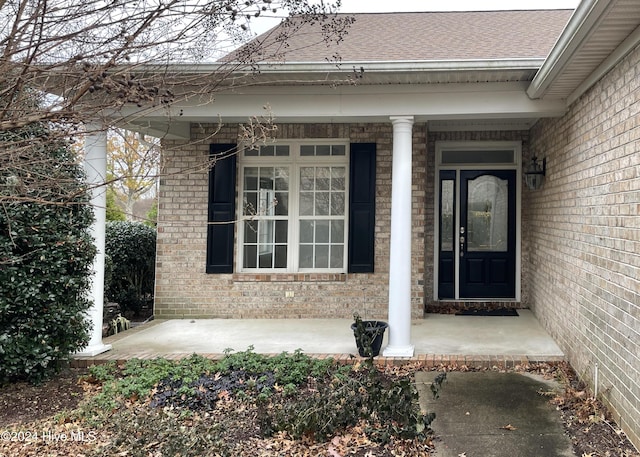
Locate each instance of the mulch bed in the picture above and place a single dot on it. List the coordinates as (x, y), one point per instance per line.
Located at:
(23, 402)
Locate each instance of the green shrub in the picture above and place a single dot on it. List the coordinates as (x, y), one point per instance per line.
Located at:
(131, 247)
(46, 256)
(152, 214)
(287, 368)
(114, 213)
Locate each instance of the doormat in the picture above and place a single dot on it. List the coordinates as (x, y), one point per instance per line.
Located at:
(488, 312)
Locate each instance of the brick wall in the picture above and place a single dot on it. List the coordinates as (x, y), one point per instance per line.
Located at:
(583, 230)
(184, 290)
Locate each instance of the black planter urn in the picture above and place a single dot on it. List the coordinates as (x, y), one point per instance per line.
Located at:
(369, 335)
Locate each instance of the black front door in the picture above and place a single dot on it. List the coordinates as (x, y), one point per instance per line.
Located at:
(478, 241)
(487, 234)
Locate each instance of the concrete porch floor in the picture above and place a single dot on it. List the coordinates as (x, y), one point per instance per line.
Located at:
(464, 339)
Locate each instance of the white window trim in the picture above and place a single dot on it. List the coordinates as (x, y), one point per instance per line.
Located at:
(293, 162)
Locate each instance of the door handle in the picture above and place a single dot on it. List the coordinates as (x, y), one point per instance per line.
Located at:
(462, 240)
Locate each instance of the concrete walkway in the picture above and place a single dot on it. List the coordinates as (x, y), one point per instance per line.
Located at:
(494, 414)
(435, 335)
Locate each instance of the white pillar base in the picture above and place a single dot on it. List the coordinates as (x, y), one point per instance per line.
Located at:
(399, 351)
(92, 351)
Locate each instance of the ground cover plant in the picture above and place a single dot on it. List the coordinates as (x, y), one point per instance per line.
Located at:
(251, 405)
(240, 404)
(193, 407)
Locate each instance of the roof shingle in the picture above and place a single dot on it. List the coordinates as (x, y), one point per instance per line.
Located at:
(425, 36)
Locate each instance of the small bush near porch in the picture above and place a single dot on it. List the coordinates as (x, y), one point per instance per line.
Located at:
(131, 252)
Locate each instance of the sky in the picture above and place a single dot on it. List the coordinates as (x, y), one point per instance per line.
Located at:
(379, 6)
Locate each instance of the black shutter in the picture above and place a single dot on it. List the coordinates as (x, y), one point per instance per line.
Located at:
(222, 208)
(362, 207)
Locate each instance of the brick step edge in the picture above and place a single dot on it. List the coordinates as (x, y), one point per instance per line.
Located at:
(427, 360)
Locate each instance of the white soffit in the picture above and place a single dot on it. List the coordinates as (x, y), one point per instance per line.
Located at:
(599, 34)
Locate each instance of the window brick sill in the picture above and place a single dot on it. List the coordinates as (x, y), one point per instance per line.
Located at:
(290, 277)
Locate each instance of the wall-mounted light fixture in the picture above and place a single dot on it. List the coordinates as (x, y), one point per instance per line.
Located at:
(534, 173)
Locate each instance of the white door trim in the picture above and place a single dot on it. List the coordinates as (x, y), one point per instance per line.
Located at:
(516, 164)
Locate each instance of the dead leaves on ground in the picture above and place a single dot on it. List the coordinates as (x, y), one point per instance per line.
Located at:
(580, 406)
(353, 442)
(587, 421)
(587, 409)
(51, 437)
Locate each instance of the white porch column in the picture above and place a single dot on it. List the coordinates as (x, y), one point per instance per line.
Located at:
(400, 256)
(95, 165)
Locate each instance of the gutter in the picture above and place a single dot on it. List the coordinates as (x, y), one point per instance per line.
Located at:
(404, 66)
(368, 66)
(581, 25)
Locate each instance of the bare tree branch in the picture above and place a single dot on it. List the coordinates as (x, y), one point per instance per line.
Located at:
(64, 63)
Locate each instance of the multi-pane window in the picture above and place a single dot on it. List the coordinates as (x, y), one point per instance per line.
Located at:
(266, 210)
(321, 216)
(294, 201)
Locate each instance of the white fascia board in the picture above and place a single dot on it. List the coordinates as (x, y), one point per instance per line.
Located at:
(581, 25)
(362, 103)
